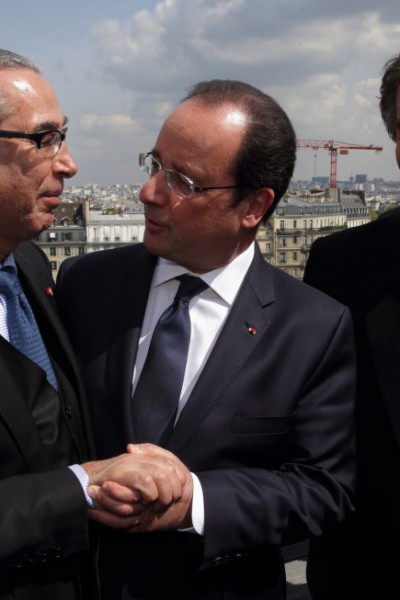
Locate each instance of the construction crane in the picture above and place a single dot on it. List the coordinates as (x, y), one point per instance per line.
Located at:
(333, 148)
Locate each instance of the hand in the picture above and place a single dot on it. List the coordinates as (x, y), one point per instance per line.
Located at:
(139, 479)
(111, 497)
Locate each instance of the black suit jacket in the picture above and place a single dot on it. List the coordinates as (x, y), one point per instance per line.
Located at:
(43, 514)
(360, 267)
(267, 428)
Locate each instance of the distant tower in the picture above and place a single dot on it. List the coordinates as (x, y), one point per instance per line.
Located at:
(361, 179)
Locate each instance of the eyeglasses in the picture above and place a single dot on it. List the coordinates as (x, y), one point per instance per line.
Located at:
(49, 142)
(180, 184)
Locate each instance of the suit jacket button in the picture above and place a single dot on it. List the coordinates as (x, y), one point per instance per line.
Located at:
(68, 411)
(220, 561)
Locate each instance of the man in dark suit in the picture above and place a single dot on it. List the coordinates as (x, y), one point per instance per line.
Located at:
(360, 267)
(44, 427)
(264, 419)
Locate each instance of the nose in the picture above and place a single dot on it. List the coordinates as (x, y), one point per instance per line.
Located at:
(155, 190)
(63, 162)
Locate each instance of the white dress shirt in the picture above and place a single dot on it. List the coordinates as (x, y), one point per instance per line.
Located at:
(208, 312)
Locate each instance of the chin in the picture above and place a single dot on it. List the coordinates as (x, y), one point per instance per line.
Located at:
(151, 245)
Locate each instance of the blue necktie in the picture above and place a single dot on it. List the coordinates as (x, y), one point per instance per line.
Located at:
(157, 393)
(22, 328)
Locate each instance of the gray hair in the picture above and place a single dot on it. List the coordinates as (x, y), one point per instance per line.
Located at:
(11, 60)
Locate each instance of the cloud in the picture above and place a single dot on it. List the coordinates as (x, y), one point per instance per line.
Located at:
(120, 67)
(106, 124)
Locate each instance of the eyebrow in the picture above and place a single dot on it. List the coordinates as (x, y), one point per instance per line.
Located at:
(174, 167)
(49, 125)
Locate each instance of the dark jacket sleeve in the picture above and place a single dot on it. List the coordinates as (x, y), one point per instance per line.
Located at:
(43, 519)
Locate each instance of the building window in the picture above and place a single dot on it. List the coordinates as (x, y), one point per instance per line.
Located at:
(81, 250)
(52, 251)
(295, 239)
(67, 251)
(51, 237)
(294, 255)
(53, 265)
(282, 242)
(66, 237)
(295, 224)
(282, 225)
(282, 257)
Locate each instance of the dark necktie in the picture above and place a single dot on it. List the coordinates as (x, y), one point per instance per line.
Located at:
(22, 328)
(157, 393)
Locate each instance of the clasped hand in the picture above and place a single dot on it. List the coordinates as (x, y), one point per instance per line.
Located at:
(146, 489)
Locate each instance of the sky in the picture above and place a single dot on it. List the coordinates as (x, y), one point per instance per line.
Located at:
(119, 67)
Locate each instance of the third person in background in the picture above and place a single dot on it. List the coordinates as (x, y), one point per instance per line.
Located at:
(360, 267)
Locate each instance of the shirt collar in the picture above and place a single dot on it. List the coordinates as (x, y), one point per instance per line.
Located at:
(9, 261)
(224, 281)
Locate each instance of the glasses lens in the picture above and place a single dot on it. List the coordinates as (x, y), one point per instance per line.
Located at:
(50, 142)
(180, 184)
(149, 164)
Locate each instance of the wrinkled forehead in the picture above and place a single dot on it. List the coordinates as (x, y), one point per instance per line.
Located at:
(27, 97)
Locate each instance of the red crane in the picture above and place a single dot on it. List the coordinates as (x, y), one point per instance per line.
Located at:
(333, 148)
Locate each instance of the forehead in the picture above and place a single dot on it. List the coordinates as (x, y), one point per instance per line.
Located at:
(197, 131)
(31, 98)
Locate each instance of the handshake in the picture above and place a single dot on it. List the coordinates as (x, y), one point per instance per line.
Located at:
(146, 489)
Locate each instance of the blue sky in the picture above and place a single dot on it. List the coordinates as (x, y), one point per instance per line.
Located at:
(119, 67)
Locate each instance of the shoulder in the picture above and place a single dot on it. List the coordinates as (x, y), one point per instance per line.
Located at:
(109, 262)
(303, 300)
(356, 239)
(29, 253)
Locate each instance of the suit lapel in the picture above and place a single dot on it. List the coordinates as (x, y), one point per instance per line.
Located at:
(21, 380)
(244, 329)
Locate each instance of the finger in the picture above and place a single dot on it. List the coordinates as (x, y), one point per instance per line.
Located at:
(154, 472)
(137, 477)
(118, 508)
(116, 522)
(159, 453)
(120, 493)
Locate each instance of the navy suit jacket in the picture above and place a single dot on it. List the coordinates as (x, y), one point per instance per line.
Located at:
(43, 513)
(267, 428)
(360, 268)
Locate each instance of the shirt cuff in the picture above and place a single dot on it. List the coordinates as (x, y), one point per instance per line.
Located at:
(83, 479)
(197, 506)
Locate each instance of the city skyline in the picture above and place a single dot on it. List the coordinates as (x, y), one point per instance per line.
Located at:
(119, 69)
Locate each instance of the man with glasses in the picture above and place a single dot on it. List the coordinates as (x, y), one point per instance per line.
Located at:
(192, 342)
(44, 428)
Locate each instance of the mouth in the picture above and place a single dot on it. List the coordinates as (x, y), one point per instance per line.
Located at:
(52, 200)
(153, 225)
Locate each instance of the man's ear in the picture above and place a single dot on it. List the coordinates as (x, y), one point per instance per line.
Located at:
(259, 203)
